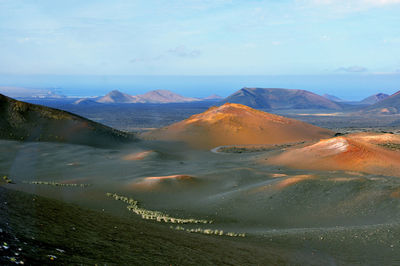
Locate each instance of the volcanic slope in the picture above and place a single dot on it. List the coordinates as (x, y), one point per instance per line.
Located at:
(364, 152)
(374, 98)
(232, 124)
(25, 121)
(280, 99)
(389, 105)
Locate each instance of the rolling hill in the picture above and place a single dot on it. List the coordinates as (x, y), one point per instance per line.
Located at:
(273, 99)
(232, 124)
(31, 122)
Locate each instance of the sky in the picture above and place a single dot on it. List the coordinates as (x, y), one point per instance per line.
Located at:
(331, 40)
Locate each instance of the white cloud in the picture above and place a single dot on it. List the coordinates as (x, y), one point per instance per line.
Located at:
(346, 6)
(182, 51)
(26, 92)
(352, 69)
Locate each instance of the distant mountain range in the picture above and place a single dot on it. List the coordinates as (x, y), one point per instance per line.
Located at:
(274, 99)
(156, 96)
(31, 122)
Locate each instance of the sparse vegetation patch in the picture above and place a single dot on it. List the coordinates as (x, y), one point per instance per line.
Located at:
(390, 146)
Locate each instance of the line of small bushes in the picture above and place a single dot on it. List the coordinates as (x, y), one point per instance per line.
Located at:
(55, 184)
(208, 231)
(133, 206)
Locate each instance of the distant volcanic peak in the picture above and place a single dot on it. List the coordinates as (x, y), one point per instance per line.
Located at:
(213, 97)
(164, 96)
(116, 96)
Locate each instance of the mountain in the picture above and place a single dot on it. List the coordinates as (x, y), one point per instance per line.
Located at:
(374, 98)
(389, 105)
(116, 96)
(213, 97)
(164, 96)
(280, 99)
(333, 98)
(363, 152)
(232, 124)
(31, 122)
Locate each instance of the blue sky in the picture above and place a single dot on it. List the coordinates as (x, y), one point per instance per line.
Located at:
(208, 37)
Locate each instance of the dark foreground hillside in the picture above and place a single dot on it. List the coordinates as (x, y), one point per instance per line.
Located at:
(25, 121)
(42, 231)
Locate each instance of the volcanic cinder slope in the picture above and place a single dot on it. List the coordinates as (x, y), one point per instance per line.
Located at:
(232, 124)
(25, 121)
(280, 99)
(363, 152)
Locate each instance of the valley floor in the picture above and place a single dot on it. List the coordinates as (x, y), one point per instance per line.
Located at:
(56, 208)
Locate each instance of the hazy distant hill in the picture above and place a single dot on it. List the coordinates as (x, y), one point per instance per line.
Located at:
(280, 99)
(389, 105)
(237, 124)
(213, 97)
(86, 101)
(25, 121)
(164, 96)
(156, 96)
(333, 98)
(374, 98)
